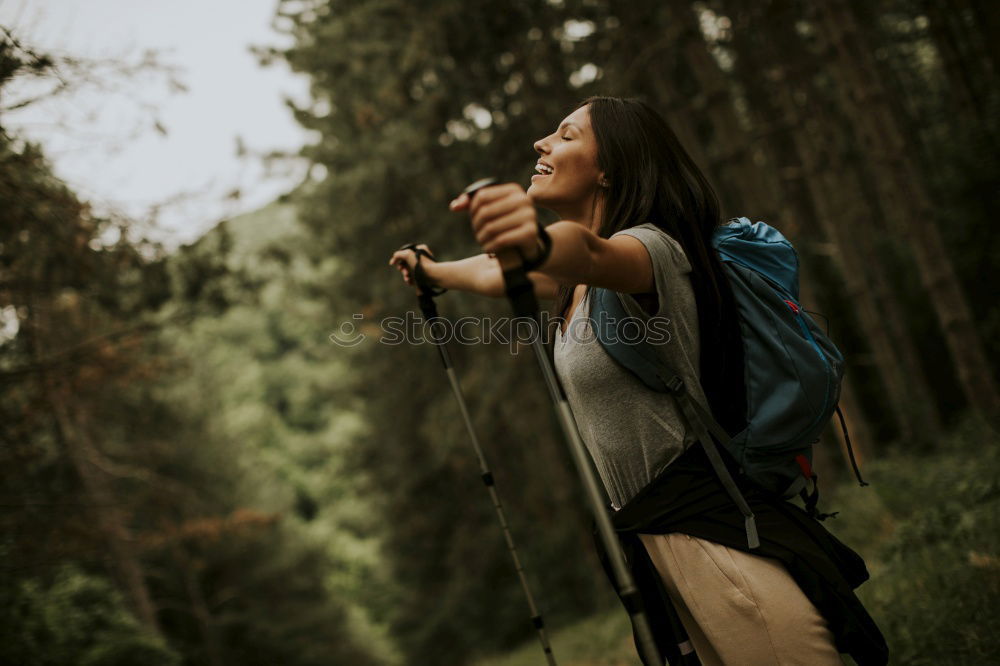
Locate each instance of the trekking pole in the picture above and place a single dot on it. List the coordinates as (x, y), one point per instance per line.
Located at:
(521, 295)
(425, 297)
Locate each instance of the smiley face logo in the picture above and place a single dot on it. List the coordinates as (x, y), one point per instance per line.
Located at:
(347, 334)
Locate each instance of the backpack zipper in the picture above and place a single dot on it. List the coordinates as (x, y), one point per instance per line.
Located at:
(819, 352)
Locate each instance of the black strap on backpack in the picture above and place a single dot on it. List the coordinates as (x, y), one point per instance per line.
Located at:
(850, 449)
(810, 491)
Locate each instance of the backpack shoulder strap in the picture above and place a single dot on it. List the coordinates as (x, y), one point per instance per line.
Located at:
(609, 316)
(609, 313)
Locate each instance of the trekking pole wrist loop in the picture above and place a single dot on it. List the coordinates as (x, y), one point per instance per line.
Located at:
(426, 284)
(544, 250)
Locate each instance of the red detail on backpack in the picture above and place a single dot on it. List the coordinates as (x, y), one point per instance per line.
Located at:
(803, 462)
(792, 305)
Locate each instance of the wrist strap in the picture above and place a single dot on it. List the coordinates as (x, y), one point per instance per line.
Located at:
(544, 250)
(419, 274)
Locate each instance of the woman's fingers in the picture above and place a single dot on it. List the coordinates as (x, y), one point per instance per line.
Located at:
(497, 208)
(486, 194)
(518, 229)
(496, 202)
(494, 192)
(493, 228)
(398, 257)
(406, 260)
(407, 257)
(520, 237)
(497, 197)
(400, 260)
(501, 216)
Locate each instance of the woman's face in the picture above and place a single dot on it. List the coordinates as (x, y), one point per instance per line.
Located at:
(568, 178)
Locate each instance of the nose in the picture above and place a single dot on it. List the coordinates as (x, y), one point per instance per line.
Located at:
(541, 147)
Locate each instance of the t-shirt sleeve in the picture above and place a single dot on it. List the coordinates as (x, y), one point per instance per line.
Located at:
(670, 264)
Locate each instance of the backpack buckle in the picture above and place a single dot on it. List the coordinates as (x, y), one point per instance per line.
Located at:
(675, 384)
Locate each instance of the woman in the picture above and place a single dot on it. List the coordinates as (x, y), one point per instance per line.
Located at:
(636, 216)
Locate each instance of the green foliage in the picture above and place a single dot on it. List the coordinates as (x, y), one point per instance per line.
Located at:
(131, 454)
(936, 539)
(75, 618)
(259, 595)
(263, 378)
(604, 639)
(403, 86)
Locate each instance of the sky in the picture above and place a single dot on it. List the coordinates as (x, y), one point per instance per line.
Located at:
(102, 138)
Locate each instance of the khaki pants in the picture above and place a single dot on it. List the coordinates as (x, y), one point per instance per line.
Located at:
(739, 609)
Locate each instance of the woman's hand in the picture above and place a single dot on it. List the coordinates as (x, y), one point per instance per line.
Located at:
(503, 216)
(406, 260)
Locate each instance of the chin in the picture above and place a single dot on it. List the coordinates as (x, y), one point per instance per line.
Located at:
(537, 195)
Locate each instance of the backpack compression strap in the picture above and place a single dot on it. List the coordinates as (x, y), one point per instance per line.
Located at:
(850, 449)
(698, 418)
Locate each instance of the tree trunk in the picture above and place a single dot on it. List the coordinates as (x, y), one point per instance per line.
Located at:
(71, 432)
(79, 448)
(698, 100)
(817, 184)
(967, 95)
(986, 18)
(907, 205)
(661, 38)
(189, 571)
(731, 156)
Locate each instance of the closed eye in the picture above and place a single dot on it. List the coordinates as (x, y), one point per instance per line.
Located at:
(566, 138)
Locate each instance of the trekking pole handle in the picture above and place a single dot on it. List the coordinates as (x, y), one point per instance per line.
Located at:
(519, 288)
(420, 278)
(509, 258)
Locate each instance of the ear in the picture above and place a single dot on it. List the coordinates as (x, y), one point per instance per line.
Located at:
(602, 180)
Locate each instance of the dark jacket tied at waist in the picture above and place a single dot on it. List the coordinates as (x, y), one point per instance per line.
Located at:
(688, 498)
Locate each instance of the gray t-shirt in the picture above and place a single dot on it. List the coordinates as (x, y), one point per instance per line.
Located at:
(632, 431)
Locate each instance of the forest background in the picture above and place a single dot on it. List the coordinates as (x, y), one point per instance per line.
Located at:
(192, 472)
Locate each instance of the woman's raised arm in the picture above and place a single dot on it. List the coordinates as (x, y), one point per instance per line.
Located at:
(503, 216)
(481, 274)
(478, 274)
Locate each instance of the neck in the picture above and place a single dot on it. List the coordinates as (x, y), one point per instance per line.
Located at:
(586, 213)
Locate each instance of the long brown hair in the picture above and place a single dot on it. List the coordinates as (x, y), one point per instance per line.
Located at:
(651, 178)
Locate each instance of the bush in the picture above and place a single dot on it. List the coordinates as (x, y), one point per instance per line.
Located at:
(931, 534)
(76, 618)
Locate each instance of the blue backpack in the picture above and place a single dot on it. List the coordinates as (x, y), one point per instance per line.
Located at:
(793, 371)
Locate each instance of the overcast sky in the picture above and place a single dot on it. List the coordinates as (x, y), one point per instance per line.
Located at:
(104, 142)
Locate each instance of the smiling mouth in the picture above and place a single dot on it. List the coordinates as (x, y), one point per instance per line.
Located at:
(544, 169)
